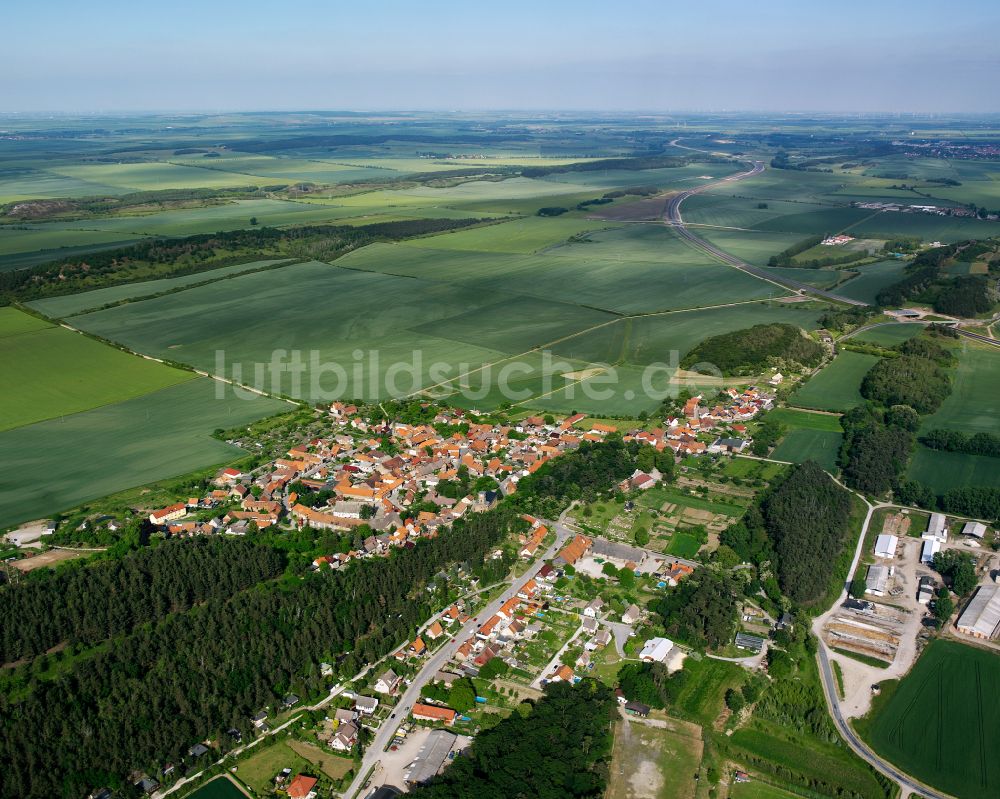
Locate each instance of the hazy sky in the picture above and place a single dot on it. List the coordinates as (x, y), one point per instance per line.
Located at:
(876, 55)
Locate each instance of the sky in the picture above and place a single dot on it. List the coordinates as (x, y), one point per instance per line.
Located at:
(221, 55)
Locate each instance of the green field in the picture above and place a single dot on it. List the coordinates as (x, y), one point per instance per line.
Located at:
(943, 471)
(797, 419)
(942, 722)
(837, 386)
(974, 403)
(701, 698)
(759, 790)
(60, 372)
(873, 278)
(822, 446)
(889, 335)
(683, 545)
(517, 236)
(59, 463)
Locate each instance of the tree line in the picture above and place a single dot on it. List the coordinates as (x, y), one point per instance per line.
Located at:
(987, 444)
(753, 349)
(200, 252)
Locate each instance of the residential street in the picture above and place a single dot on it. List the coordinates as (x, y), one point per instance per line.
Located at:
(435, 663)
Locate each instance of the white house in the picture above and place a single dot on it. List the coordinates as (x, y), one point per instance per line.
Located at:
(631, 615)
(388, 682)
(593, 610)
(930, 548)
(656, 650)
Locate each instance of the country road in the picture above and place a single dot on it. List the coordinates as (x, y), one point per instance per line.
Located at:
(375, 750)
(860, 748)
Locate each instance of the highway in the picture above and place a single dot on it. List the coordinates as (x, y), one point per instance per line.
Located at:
(674, 219)
(437, 661)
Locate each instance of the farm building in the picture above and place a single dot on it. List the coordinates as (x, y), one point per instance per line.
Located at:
(431, 757)
(656, 650)
(885, 546)
(930, 548)
(981, 617)
(602, 548)
(975, 529)
(937, 528)
(877, 580)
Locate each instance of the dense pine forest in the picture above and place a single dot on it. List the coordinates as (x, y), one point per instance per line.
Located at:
(210, 668)
(86, 604)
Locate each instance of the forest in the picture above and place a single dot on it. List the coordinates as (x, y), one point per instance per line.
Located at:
(210, 668)
(85, 604)
(702, 610)
(580, 474)
(557, 748)
(753, 349)
(807, 519)
(956, 295)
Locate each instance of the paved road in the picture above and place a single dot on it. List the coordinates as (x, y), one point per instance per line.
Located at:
(674, 218)
(437, 661)
(830, 685)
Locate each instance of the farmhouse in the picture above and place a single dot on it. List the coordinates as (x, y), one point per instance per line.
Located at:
(937, 528)
(168, 514)
(424, 712)
(981, 617)
(930, 548)
(752, 643)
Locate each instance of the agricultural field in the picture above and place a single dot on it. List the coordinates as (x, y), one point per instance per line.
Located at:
(803, 444)
(59, 463)
(889, 335)
(974, 403)
(837, 386)
(759, 790)
(811, 436)
(72, 304)
(941, 722)
(60, 372)
(872, 278)
(943, 471)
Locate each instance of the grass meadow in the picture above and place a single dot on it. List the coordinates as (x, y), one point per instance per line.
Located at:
(942, 721)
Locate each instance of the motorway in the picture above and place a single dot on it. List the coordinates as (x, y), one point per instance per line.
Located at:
(674, 219)
(437, 661)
